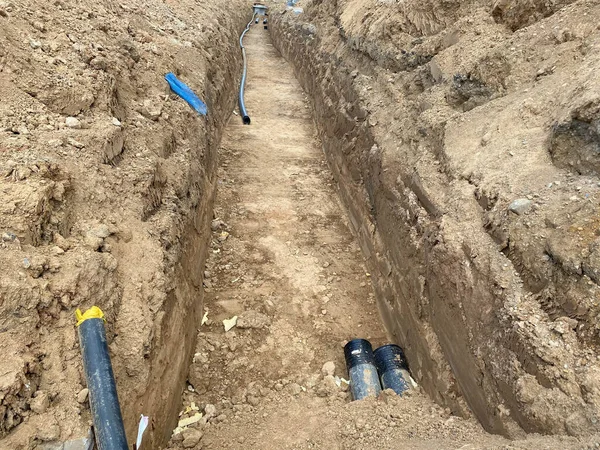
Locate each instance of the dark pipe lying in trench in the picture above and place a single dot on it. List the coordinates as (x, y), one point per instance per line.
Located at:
(104, 401)
(243, 112)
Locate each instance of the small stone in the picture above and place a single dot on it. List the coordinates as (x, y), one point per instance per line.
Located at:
(191, 437)
(55, 143)
(216, 224)
(360, 423)
(99, 63)
(56, 250)
(116, 122)
(328, 368)
(61, 242)
(35, 265)
(100, 231)
(293, 388)
(39, 26)
(93, 242)
(40, 403)
(83, 395)
(49, 432)
(178, 436)
(8, 237)
(254, 401)
(151, 109)
(253, 319)
(75, 143)
(327, 387)
(487, 137)
(72, 122)
(210, 410)
(76, 444)
(35, 44)
(520, 206)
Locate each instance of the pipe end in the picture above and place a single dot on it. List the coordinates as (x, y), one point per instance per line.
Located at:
(246, 120)
(358, 351)
(389, 357)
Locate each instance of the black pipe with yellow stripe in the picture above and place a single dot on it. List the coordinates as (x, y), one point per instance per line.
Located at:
(104, 401)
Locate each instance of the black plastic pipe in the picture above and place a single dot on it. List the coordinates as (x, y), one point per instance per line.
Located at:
(364, 381)
(104, 401)
(393, 368)
(243, 112)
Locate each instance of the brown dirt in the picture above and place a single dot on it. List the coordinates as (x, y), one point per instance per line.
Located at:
(115, 212)
(428, 118)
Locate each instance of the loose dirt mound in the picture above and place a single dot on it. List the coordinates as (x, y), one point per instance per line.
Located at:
(106, 191)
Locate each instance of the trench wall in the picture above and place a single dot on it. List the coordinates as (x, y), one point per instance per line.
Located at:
(448, 296)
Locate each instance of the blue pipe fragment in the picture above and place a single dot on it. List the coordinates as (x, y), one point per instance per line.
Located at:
(364, 381)
(393, 368)
(182, 89)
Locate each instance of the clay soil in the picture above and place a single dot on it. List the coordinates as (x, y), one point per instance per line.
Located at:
(419, 172)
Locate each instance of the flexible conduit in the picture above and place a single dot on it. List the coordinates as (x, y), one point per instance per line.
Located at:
(243, 112)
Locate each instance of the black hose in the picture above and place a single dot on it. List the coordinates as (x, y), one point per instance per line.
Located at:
(243, 112)
(104, 402)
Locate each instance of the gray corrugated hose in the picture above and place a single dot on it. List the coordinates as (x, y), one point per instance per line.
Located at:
(243, 112)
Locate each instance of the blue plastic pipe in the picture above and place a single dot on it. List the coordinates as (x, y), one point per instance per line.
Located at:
(243, 112)
(104, 401)
(183, 90)
(364, 381)
(393, 368)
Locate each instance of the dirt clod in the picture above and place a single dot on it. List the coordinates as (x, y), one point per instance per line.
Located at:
(82, 396)
(191, 437)
(328, 368)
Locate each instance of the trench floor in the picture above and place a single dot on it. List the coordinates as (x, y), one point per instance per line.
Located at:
(284, 249)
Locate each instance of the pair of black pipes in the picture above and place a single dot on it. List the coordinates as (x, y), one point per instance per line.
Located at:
(370, 371)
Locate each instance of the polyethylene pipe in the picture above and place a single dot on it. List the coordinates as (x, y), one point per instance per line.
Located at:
(243, 112)
(364, 381)
(104, 402)
(393, 368)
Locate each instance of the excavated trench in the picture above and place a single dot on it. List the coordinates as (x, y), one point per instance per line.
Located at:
(442, 286)
(417, 172)
(352, 206)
